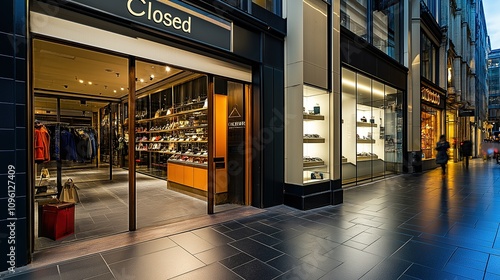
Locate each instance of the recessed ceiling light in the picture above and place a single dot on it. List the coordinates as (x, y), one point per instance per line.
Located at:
(90, 83)
(167, 69)
(122, 89)
(114, 91)
(142, 80)
(81, 81)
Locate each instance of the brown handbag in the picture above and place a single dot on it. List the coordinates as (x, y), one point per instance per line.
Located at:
(69, 192)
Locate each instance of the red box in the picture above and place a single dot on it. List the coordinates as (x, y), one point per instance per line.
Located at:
(58, 220)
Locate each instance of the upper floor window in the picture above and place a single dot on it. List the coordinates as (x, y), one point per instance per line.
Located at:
(432, 6)
(273, 6)
(379, 22)
(428, 61)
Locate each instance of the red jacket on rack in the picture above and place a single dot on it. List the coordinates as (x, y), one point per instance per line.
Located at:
(42, 144)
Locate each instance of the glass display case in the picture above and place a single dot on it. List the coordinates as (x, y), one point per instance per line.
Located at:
(316, 131)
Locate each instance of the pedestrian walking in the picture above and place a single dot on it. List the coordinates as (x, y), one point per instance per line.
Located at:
(466, 151)
(442, 153)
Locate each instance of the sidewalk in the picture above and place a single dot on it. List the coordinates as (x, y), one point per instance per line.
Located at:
(415, 226)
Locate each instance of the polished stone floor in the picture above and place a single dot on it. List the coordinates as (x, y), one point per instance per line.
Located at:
(415, 226)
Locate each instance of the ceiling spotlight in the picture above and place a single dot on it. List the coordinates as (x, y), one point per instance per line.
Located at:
(151, 77)
(167, 69)
(90, 83)
(114, 91)
(81, 81)
(122, 89)
(141, 80)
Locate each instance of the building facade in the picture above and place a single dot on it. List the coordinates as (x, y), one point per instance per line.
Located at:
(494, 90)
(189, 90)
(467, 47)
(255, 103)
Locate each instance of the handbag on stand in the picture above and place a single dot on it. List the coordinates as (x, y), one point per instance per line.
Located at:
(69, 192)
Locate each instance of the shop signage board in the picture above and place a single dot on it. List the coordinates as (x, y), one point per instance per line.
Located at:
(463, 112)
(169, 16)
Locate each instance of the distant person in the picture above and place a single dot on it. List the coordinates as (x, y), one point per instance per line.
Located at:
(466, 151)
(442, 153)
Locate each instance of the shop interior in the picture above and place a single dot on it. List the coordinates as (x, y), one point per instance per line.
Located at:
(81, 106)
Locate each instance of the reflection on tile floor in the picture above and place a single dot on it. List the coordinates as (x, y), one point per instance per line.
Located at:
(415, 226)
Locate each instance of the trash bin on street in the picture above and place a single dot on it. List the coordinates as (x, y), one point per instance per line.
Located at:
(417, 161)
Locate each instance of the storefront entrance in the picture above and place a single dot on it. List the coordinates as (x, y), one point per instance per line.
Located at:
(180, 151)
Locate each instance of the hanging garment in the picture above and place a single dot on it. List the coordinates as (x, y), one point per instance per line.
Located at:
(42, 143)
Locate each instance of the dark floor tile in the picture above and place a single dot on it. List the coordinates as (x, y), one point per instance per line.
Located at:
(350, 270)
(493, 266)
(233, 225)
(236, 260)
(390, 268)
(321, 261)
(241, 233)
(164, 264)
(221, 228)
(423, 272)
(215, 270)
(469, 258)
(191, 242)
(304, 271)
(256, 270)
(365, 238)
(355, 245)
(212, 236)
(217, 254)
(256, 249)
(284, 263)
(107, 276)
(286, 234)
(49, 273)
(491, 276)
(476, 234)
(366, 222)
(425, 254)
(265, 239)
(384, 247)
(464, 271)
(83, 268)
(263, 228)
(137, 250)
(347, 255)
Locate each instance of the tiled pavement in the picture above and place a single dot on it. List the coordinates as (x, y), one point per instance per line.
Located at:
(416, 226)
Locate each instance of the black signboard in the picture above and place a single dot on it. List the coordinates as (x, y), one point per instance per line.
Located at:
(462, 112)
(170, 16)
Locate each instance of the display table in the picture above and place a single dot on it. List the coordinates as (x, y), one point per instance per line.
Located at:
(58, 220)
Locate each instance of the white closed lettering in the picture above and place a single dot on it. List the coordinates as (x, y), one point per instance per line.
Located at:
(160, 17)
